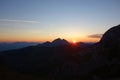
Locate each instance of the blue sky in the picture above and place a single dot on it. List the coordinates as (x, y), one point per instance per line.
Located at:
(42, 20)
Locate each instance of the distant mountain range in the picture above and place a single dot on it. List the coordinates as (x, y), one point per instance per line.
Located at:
(15, 45)
(57, 42)
(60, 60)
(62, 42)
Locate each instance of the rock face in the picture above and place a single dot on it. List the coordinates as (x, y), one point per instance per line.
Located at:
(110, 43)
(112, 36)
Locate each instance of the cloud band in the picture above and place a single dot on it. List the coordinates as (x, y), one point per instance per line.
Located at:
(95, 36)
(19, 21)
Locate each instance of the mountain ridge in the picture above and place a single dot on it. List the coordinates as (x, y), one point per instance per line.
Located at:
(99, 61)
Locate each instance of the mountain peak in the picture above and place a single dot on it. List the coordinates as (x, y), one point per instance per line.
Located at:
(54, 43)
(59, 41)
(112, 35)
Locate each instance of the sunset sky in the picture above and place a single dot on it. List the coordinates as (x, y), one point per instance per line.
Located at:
(45, 20)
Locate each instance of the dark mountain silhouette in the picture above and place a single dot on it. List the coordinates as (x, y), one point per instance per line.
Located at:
(103, 58)
(84, 45)
(110, 51)
(15, 45)
(58, 42)
(46, 44)
(112, 34)
(55, 43)
(59, 60)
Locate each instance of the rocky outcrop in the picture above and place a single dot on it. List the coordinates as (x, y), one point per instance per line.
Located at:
(111, 37)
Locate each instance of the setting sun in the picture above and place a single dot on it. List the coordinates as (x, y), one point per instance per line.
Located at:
(74, 41)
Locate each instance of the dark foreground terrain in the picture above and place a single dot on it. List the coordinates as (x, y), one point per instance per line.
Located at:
(60, 60)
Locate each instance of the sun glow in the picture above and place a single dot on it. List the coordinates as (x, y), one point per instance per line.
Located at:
(74, 41)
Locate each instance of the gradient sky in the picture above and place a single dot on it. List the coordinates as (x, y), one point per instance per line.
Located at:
(45, 20)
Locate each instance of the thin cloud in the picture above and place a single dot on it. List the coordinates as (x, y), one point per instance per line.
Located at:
(95, 36)
(18, 21)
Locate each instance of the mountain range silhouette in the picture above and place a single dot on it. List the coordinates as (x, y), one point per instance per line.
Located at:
(60, 60)
(55, 43)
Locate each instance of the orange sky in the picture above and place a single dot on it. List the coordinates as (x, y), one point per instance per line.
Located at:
(37, 39)
(67, 19)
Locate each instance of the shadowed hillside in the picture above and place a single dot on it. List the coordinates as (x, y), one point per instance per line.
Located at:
(60, 60)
